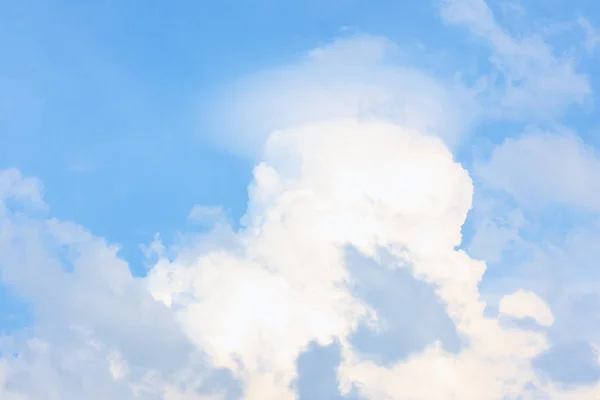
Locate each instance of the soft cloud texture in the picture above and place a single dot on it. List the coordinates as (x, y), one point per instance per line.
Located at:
(287, 285)
(98, 333)
(528, 80)
(352, 242)
(537, 223)
(592, 36)
(355, 77)
(281, 283)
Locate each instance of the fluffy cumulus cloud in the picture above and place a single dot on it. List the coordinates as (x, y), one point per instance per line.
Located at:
(352, 241)
(98, 332)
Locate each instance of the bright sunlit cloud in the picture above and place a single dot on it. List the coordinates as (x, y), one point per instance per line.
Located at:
(369, 249)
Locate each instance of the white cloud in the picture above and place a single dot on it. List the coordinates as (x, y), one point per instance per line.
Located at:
(287, 285)
(523, 304)
(14, 187)
(529, 81)
(550, 181)
(330, 175)
(98, 334)
(363, 77)
(541, 167)
(355, 77)
(352, 150)
(254, 307)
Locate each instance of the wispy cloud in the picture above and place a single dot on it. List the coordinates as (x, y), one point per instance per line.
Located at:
(353, 77)
(592, 36)
(529, 81)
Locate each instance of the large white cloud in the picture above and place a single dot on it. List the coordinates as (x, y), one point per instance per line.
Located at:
(353, 151)
(255, 299)
(542, 168)
(256, 307)
(283, 282)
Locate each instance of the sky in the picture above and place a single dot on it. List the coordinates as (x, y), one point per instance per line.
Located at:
(313, 200)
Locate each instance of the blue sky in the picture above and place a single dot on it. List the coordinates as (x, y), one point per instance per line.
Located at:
(316, 200)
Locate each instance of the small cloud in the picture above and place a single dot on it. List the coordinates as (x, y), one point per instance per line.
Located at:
(523, 304)
(154, 250)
